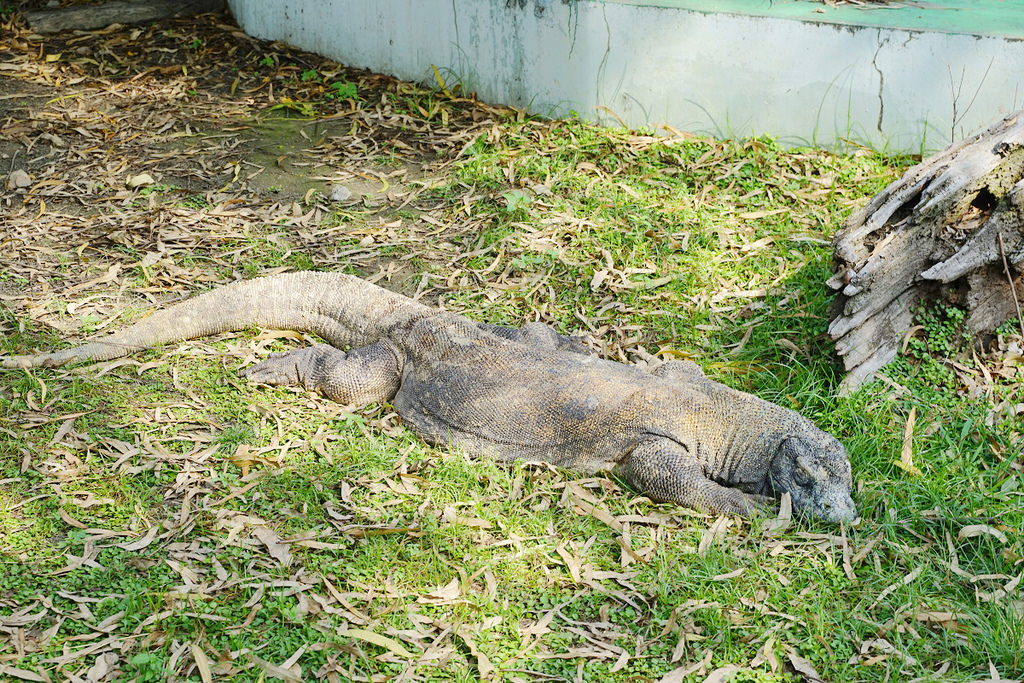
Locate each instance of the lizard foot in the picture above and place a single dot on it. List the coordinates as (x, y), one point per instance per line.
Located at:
(736, 502)
(286, 368)
(367, 375)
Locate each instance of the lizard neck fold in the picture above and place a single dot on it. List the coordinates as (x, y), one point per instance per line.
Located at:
(734, 436)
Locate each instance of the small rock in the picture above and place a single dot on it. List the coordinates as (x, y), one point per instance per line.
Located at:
(18, 179)
(340, 193)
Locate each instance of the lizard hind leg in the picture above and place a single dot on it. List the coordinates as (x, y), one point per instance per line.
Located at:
(370, 374)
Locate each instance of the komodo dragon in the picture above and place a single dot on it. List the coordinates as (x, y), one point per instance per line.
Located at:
(510, 394)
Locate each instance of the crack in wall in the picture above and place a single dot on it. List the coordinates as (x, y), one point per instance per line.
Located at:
(573, 23)
(461, 66)
(455, 20)
(604, 57)
(881, 81)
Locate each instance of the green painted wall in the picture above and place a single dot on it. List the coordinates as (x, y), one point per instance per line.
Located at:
(1004, 18)
(900, 77)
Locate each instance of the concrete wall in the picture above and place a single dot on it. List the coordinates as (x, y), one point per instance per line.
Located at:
(725, 74)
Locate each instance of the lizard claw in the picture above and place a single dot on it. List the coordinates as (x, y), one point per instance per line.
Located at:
(748, 505)
(277, 369)
(764, 504)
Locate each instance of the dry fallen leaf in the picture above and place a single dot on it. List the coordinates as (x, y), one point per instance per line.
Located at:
(723, 674)
(902, 582)
(571, 563)
(22, 674)
(784, 519)
(443, 595)
(202, 663)
(1000, 593)
(483, 664)
(950, 620)
(906, 461)
(716, 530)
(105, 666)
(766, 653)
(803, 666)
(133, 546)
(389, 644)
(139, 180)
(678, 674)
(728, 575)
(974, 530)
(272, 540)
(242, 459)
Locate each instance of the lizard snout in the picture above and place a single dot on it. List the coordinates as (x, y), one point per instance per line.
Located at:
(839, 508)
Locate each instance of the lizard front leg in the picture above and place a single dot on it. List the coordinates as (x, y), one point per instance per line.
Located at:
(370, 374)
(664, 471)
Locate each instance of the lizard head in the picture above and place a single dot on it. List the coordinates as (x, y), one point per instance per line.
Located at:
(814, 468)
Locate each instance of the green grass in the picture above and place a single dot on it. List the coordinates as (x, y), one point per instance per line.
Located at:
(696, 248)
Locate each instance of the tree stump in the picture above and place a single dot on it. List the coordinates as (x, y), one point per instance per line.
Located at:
(952, 228)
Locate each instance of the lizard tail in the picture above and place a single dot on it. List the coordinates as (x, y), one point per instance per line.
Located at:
(342, 309)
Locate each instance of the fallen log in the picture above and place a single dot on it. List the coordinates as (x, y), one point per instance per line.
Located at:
(91, 17)
(951, 229)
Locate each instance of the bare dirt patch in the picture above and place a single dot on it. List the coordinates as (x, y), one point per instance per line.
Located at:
(142, 145)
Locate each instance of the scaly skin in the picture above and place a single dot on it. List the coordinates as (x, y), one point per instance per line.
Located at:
(516, 394)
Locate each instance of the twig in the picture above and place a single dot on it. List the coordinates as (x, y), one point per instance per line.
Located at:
(1009, 277)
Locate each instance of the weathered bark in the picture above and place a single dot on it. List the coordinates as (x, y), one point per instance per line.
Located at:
(941, 231)
(89, 17)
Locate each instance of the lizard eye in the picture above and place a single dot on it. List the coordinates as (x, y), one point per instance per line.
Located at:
(801, 475)
(803, 470)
